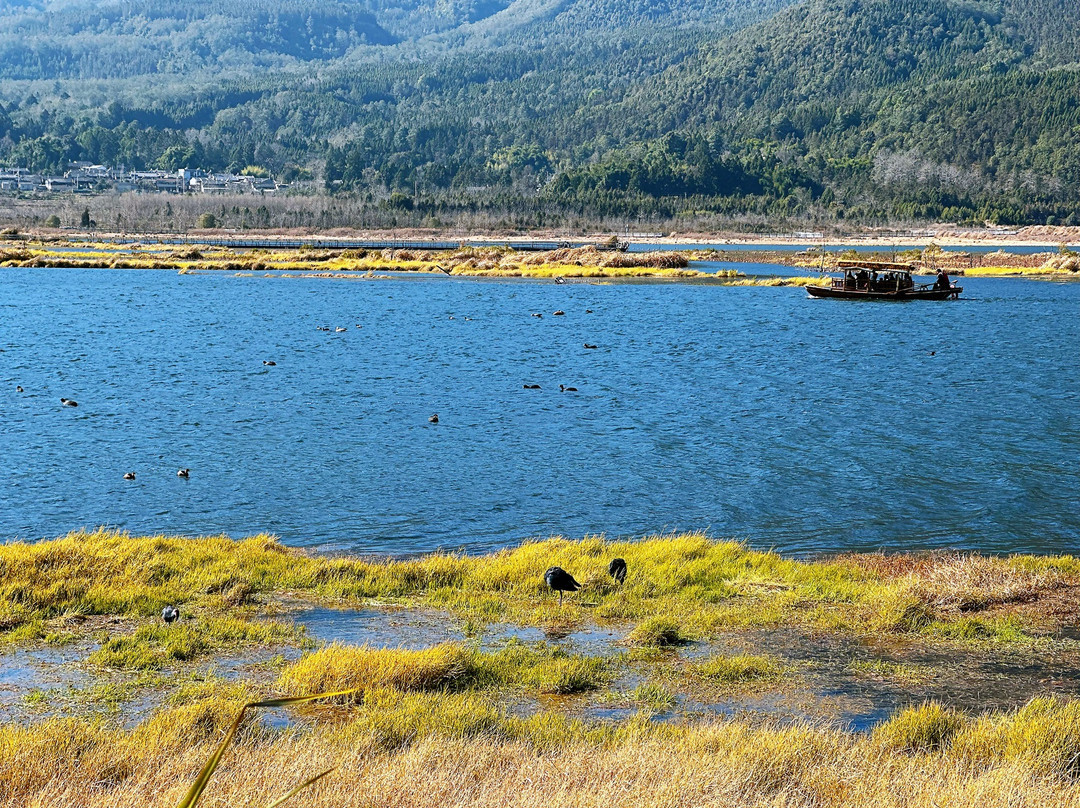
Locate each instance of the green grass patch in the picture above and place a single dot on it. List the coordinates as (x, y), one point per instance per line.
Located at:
(653, 696)
(903, 672)
(658, 632)
(738, 669)
(155, 645)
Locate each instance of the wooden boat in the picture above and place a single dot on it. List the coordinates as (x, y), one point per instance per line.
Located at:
(883, 280)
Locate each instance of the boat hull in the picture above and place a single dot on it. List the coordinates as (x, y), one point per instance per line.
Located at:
(862, 294)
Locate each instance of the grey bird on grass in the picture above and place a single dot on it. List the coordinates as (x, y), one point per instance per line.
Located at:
(617, 570)
(561, 581)
(170, 614)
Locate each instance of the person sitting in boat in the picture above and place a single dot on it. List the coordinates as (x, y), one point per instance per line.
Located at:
(861, 279)
(943, 281)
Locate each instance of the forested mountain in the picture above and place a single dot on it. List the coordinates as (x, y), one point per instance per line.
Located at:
(857, 109)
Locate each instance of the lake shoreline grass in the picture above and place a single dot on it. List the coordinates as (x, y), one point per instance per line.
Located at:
(453, 701)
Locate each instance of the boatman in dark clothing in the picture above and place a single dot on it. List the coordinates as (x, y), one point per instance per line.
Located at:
(943, 281)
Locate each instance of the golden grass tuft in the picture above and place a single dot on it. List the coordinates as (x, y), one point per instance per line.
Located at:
(926, 728)
(340, 667)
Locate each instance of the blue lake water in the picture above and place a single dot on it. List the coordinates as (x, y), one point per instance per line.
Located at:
(803, 425)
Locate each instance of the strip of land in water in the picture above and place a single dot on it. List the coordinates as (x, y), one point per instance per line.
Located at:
(494, 262)
(473, 686)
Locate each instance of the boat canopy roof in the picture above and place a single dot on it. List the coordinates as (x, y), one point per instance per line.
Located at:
(878, 266)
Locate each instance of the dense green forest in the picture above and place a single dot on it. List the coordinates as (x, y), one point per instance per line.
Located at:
(859, 110)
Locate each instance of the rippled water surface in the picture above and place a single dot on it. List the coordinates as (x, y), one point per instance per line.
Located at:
(805, 425)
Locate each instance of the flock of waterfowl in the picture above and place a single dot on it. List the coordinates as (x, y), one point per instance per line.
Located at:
(434, 418)
(129, 475)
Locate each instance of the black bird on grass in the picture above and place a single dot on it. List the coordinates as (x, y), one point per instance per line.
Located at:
(617, 569)
(170, 614)
(560, 580)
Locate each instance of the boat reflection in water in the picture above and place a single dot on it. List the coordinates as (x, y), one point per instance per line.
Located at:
(884, 280)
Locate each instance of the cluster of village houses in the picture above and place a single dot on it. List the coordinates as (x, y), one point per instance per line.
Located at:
(87, 178)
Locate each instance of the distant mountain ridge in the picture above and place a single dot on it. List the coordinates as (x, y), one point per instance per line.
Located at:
(864, 109)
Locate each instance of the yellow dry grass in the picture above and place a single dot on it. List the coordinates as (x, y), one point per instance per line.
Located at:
(924, 757)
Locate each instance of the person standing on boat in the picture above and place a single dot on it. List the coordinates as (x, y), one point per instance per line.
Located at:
(943, 281)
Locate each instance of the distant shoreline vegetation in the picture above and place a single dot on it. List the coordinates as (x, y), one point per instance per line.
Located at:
(494, 261)
(491, 262)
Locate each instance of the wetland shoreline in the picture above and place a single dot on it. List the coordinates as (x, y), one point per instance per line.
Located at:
(698, 263)
(712, 659)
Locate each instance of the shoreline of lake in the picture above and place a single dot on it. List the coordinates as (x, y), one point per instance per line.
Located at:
(709, 654)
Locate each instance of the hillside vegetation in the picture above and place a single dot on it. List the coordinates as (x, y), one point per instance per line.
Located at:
(860, 110)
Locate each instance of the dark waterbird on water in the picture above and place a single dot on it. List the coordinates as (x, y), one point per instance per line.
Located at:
(185, 473)
(130, 475)
(18, 388)
(565, 389)
(560, 580)
(434, 419)
(67, 402)
(617, 569)
(170, 614)
(269, 362)
(531, 386)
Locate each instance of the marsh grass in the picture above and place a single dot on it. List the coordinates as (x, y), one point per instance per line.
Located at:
(682, 586)
(419, 749)
(155, 645)
(654, 696)
(738, 669)
(658, 632)
(926, 728)
(445, 668)
(903, 672)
